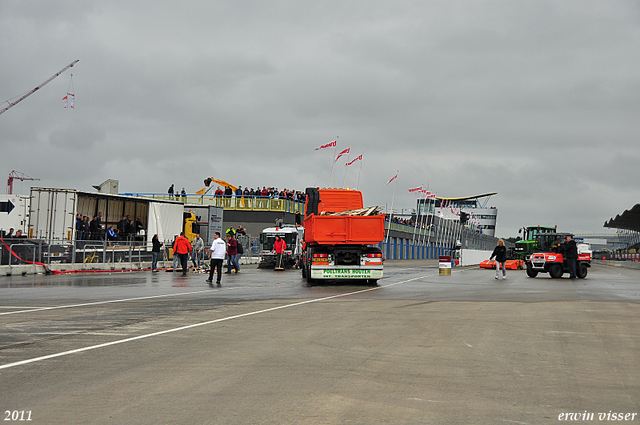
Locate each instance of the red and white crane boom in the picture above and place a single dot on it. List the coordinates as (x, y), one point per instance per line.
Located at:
(30, 92)
(16, 175)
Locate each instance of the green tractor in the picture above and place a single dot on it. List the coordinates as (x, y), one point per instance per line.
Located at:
(534, 238)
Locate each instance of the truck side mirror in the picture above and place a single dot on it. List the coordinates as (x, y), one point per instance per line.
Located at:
(313, 200)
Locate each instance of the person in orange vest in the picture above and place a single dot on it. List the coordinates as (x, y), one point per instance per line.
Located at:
(182, 247)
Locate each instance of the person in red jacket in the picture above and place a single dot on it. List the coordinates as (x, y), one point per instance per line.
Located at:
(182, 247)
(232, 254)
(279, 246)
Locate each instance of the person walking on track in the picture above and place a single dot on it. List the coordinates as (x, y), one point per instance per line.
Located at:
(183, 248)
(500, 252)
(216, 254)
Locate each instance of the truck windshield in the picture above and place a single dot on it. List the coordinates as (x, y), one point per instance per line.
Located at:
(269, 238)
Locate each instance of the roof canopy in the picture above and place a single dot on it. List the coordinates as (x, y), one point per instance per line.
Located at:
(466, 198)
(629, 220)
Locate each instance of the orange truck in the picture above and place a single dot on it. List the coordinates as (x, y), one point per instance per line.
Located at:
(341, 237)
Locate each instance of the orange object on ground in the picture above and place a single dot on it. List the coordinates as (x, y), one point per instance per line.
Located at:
(488, 264)
(509, 264)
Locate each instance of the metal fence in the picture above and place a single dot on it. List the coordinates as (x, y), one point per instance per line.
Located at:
(240, 203)
(84, 252)
(91, 254)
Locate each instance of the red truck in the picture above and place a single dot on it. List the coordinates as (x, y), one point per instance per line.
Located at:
(341, 237)
(551, 260)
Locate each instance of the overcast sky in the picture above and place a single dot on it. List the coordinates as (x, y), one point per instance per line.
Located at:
(538, 101)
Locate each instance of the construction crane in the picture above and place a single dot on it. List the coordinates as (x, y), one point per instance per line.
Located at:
(30, 92)
(16, 175)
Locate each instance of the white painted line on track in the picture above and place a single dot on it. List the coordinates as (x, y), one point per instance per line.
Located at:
(195, 325)
(23, 307)
(57, 307)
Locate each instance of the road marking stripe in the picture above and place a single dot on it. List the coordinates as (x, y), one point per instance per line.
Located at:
(195, 325)
(19, 306)
(31, 310)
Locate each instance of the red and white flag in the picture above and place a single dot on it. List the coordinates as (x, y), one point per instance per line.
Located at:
(344, 152)
(355, 159)
(392, 179)
(415, 189)
(328, 145)
(428, 194)
(68, 100)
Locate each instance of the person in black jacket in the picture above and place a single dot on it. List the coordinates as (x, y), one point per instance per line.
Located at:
(571, 255)
(94, 228)
(500, 252)
(155, 252)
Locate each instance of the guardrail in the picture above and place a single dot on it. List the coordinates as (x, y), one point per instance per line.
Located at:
(12, 251)
(79, 252)
(241, 203)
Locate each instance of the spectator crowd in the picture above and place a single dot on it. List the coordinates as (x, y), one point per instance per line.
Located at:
(239, 192)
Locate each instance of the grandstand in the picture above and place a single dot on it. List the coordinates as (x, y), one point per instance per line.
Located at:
(451, 208)
(627, 223)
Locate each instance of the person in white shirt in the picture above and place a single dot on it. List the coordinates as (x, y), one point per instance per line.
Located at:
(216, 254)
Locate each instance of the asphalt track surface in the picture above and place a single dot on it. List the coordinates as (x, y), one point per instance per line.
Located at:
(264, 348)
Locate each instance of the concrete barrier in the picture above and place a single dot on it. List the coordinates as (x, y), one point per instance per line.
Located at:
(473, 257)
(613, 263)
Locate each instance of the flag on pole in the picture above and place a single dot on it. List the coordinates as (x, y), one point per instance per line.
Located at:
(65, 101)
(427, 194)
(392, 179)
(355, 159)
(328, 145)
(415, 189)
(344, 152)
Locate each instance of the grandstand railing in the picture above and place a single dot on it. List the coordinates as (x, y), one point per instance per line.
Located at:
(246, 203)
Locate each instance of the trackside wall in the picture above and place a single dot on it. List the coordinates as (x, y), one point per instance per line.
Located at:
(471, 257)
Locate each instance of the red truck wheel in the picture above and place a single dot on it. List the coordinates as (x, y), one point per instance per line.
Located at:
(555, 271)
(582, 271)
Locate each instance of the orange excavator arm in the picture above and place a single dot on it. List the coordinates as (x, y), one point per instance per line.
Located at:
(209, 180)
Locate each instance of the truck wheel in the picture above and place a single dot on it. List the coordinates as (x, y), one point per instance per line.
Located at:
(555, 271)
(531, 272)
(582, 271)
(304, 272)
(372, 282)
(309, 280)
